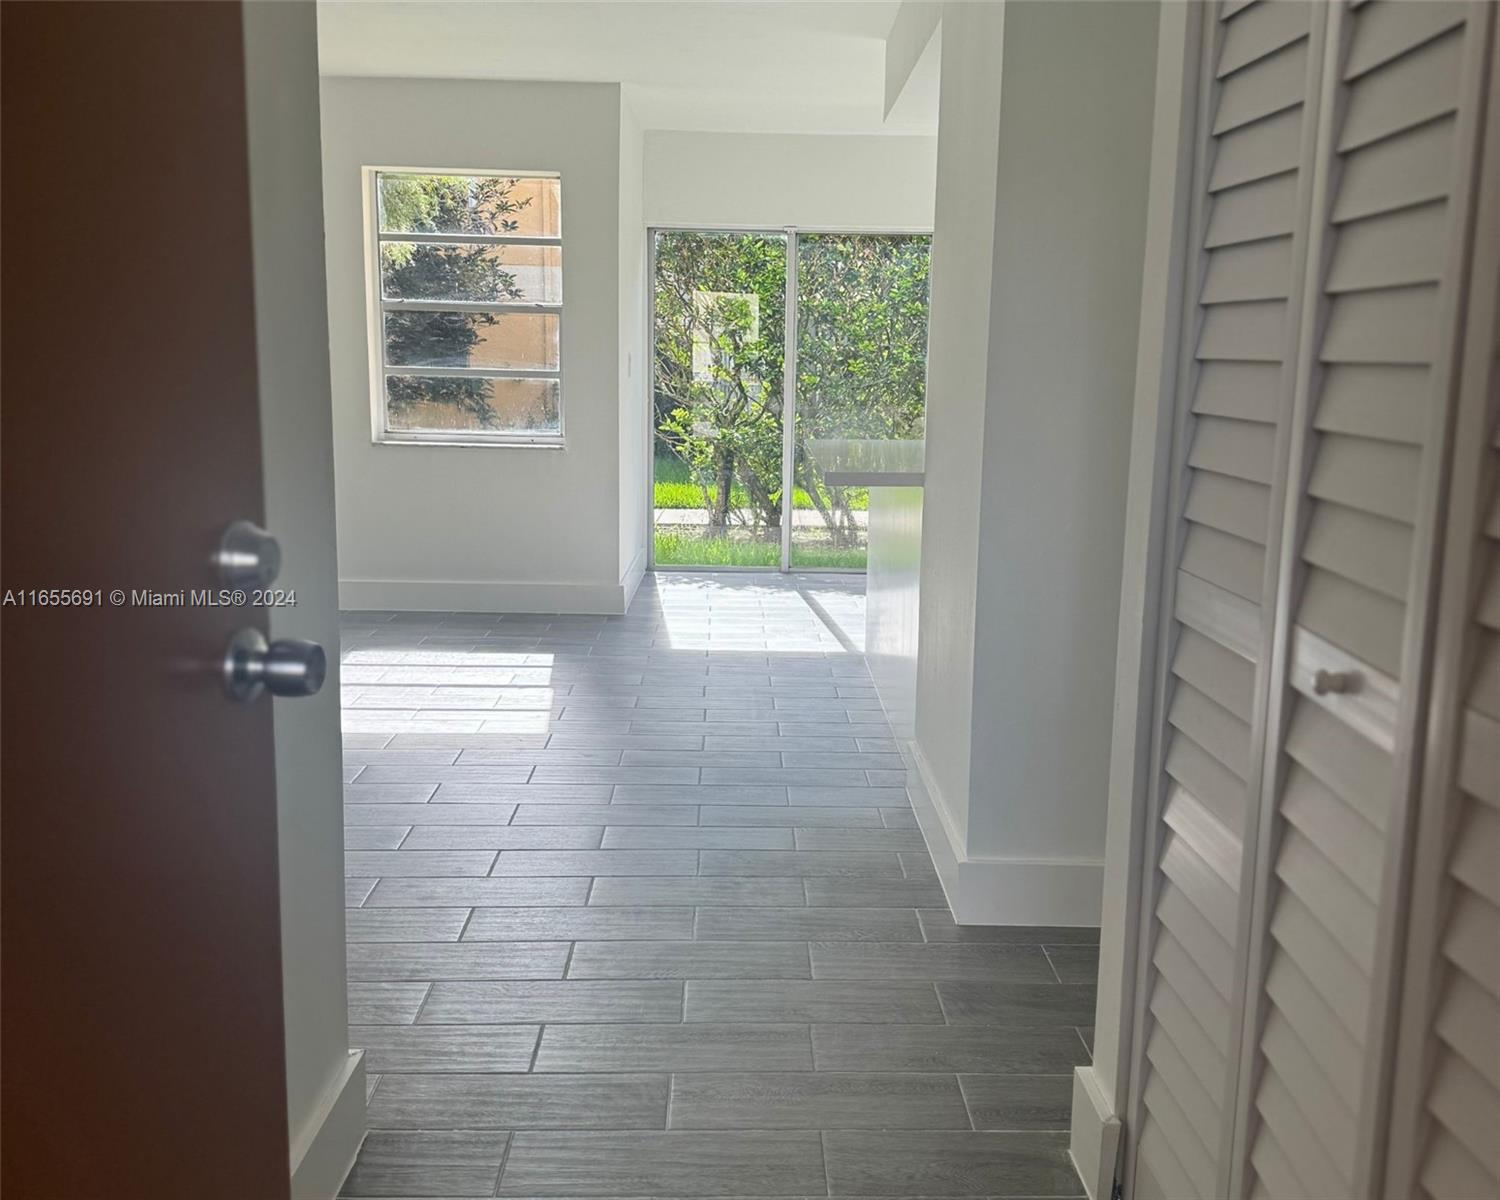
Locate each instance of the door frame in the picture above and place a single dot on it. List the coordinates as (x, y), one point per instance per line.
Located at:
(788, 377)
(1100, 1145)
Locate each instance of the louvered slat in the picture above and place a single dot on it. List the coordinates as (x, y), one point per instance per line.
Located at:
(1385, 246)
(1387, 250)
(1388, 30)
(1240, 340)
(1384, 402)
(1409, 90)
(1410, 168)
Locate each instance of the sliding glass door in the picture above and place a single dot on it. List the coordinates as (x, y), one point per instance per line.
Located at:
(739, 426)
(719, 331)
(861, 319)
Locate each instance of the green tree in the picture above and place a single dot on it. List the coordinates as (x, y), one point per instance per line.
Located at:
(457, 204)
(720, 318)
(719, 339)
(861, 352)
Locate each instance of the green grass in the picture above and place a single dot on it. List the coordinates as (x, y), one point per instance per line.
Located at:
(685, 550)
(674, 488)
(674, 549)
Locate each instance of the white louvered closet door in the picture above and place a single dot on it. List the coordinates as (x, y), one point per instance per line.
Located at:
(1444, 1142)
(1391, 220)
(1255, 140)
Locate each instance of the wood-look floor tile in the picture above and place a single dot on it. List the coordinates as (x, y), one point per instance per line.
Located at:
(694, 1030)
(545, 1001)
(817, 1100)
(504, 837)
(425, 773)
(674, 1047)
(644, 837)
(811, 1001)
(974, 1048)
(689, 960)
(699, 794)
(418, 864)
(1074, 964)
(481, 1101)
(385, 1003)
(808, 924)
(930, 960)
(601, 814)
(675, 1163)
(597, 862)
(917, 864)
(859, 797)
(990, 1003)
(528, 793)
(1019, 1101)
(593, 923)
(727, 890)
(405, 924)
(699, 758)
(431, 1048)
(802, 777)
(459, 960)
(942, 1163)
(424, 814)
(939, 926)
(374, 837)
(429, 1162)
(356, 891)
(388, 793)
(859, 839)
(475, 893)
(797, 818)
(805, 863)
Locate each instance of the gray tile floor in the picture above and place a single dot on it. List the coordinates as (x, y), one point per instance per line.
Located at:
(638, 908)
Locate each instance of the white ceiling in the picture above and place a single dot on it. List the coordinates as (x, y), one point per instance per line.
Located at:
(773, 66)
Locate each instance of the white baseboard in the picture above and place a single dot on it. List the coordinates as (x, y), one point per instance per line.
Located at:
(630, 580)
(324, 1150)
(1094, 1144)
(993, 889)
(467, 595)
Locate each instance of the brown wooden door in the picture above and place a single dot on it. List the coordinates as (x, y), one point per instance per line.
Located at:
(142, 1019)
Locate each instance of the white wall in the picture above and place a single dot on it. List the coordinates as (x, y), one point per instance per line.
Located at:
(634, 402)
(1075, 135)
(1025, 584)
(829, 181)
(957, 359)
(325, 1083)
(452, 527)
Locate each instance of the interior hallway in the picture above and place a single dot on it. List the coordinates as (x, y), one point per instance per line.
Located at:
(638, 907)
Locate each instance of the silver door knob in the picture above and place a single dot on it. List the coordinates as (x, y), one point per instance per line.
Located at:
(289, 667)
(247, 556)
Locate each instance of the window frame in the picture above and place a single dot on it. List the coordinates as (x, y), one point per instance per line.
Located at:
(376, 306)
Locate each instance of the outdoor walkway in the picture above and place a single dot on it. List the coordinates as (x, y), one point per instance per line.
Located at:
(808, 518)
(639, 909)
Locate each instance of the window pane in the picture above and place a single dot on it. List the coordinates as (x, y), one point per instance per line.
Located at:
(528, 207)
(415, 403)
(861, 373)
(422, 271)
(469, 339)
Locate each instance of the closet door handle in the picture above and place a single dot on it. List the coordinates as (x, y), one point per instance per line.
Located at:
(1340, 682)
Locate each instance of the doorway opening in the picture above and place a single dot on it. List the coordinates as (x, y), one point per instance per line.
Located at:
(768, 348)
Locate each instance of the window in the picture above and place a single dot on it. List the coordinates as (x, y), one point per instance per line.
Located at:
(467, 313)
